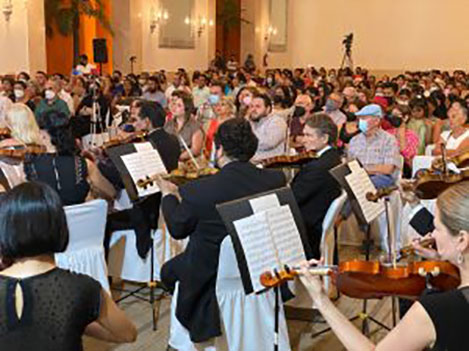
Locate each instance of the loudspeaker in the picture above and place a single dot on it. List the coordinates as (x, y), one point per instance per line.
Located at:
(100, 50)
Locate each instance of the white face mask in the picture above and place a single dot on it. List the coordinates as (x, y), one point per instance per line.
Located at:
(247, 100)
(19, 93)
(50, 94)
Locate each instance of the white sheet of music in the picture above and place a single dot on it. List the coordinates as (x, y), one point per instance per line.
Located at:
(361, 184)
(256, 240)
(286, 236)
(270, 239)
(144, 163)
(264, 203)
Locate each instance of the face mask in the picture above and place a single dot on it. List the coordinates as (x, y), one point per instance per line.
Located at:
(214, 99)
(19, 93)
(269, 81)
(331, 105)
(300, 111)
(402, 102)
(247, 100)
(351, 117)
(363, 125)
(395, 121)
(390, 100)
(278, 99)
(142, 82)
(50, 94)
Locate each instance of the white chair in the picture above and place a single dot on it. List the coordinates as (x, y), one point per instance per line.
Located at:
(85, 251)
(421, 162)
(247, 320)
(328, 238)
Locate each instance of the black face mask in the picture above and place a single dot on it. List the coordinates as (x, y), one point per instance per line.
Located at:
(351, 117)
(395, 121)
(390, 100)
(300, 111)
(278, 99)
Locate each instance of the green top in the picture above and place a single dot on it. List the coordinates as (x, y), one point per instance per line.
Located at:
(57, 105)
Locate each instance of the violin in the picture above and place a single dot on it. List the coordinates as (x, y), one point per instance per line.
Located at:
(372, 279)
(21, 153)
(461, 160)
(178, 177)
(286, 161)
(130, 138)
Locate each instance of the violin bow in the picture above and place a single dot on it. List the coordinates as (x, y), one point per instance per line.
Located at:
(191, 155)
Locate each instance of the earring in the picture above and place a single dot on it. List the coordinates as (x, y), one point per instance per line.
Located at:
(460, 259)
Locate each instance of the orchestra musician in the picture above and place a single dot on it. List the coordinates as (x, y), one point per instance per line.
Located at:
(190, 212)
(142, 217)
(439, 319)
(314, 187)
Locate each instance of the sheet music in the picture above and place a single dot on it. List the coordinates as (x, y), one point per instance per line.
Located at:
(361, 184)
(256, 240)
(264, 203)
(144, 163)
(287, 238)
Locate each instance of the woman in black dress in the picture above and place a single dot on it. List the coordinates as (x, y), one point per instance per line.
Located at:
(43, 307)
(71, 175)
(439, 320)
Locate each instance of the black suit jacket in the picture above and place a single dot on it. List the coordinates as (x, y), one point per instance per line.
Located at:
(422, 222)
(315, 189)
(197, 218)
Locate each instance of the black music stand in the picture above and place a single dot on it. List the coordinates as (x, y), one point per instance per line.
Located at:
(238, 209)
(339, 173)
(115, 155)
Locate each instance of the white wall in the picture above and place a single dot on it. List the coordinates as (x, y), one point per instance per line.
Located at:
(22, 39)
(389, 35)
(133, 38)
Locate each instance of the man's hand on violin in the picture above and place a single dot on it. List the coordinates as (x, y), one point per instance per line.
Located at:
(167, 188)
(428, 253)
(408, 195)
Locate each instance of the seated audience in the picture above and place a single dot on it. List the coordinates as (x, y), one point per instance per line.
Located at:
(270, 129)
(184, 126)
(42, 306)
(52, 101)
(374, 148)
(456, 140)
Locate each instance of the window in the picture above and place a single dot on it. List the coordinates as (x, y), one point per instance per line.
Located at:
(279, 20)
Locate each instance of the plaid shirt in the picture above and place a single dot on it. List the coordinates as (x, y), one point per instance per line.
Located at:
(379, 149)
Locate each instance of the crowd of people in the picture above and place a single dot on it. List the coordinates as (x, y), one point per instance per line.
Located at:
(234, 118)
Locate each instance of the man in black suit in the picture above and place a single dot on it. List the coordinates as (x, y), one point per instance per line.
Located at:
(314, 187)
(143, 217)
(191, 213)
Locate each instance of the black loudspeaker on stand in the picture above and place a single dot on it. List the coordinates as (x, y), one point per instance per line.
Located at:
(100, 54)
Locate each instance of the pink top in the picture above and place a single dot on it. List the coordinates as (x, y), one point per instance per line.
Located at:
(412, 143)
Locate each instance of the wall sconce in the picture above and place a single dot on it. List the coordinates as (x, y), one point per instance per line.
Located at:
(199, 26)
(269, 33)
(7, 9)
(158, 19)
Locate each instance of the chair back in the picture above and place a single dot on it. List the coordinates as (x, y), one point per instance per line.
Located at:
(85, 251)
(328, 238)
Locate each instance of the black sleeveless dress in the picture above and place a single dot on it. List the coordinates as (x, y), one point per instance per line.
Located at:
(66, 174)
(58, 305)
(449, 312)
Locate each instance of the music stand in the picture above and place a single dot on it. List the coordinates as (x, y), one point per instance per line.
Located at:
(235, 210)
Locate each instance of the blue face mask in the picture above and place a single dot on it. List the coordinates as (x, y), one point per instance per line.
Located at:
(331, 105)
(363, 125)
(214, 99)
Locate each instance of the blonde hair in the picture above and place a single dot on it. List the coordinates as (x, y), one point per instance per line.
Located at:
(453, 205)
(22, 123)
